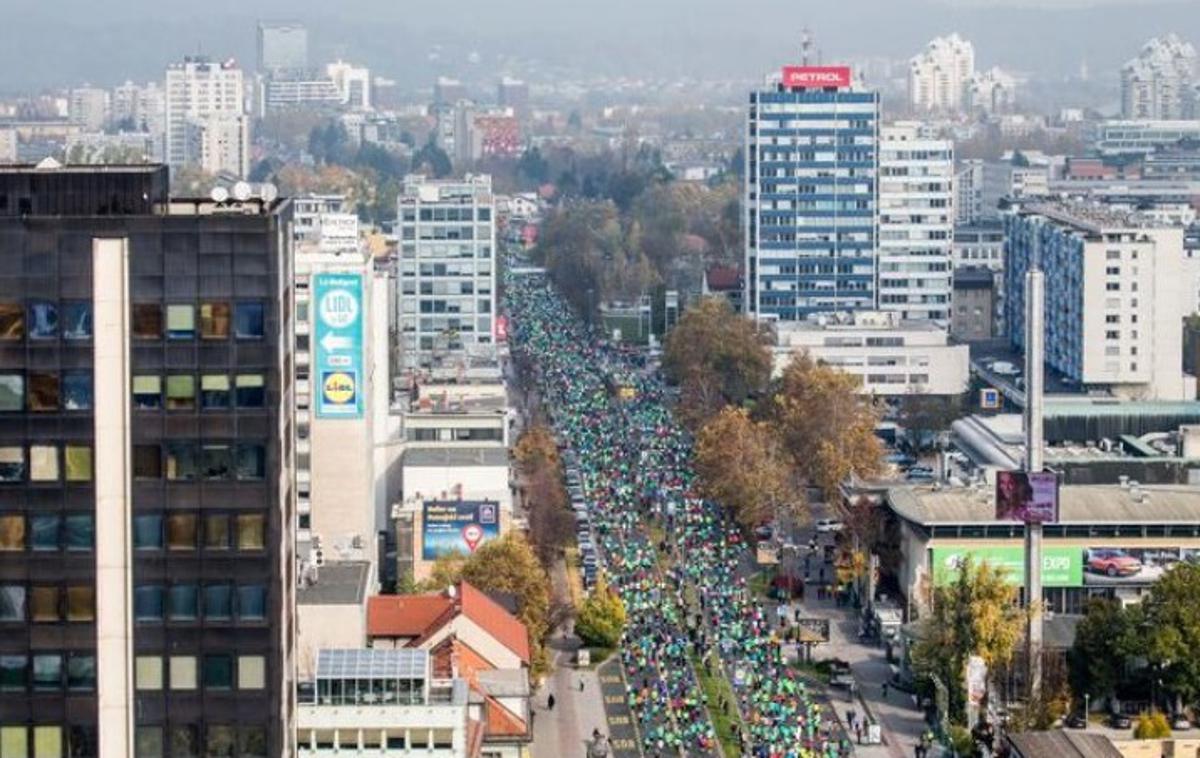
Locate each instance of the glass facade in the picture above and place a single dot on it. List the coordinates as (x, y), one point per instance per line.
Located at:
(204, 312)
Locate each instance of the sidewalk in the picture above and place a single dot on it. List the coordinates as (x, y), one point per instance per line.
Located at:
(567, 729)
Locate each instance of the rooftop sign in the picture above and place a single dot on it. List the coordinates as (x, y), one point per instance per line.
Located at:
(816, 76)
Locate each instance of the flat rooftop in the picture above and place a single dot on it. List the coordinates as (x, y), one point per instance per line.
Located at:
(338, 583)
(1090, 217)
(1079, 504)
(456, 456)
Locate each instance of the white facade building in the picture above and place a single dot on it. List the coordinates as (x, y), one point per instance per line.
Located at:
(1118, 284)
(224, 143)
(89, 107)
(916, 222)
(353, 84)
(446, 298)
(196, 90)
(1160, 82)
(939, 77)
(992, 91)
(380, 702)
(889, 356)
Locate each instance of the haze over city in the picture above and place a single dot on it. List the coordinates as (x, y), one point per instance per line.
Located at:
(627, 379)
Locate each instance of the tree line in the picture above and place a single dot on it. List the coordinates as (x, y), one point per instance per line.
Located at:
(761, 440)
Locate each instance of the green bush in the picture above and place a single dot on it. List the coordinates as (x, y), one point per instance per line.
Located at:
(1152, 726)
(601, 617)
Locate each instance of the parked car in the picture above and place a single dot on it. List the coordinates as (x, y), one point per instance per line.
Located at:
(1119, 721)
(764, 532)
(1112, 562)
(1180, 722)
(825, 525)
(1076, 721)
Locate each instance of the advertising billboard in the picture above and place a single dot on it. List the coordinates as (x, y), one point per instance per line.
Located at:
(457, 526)
(338, 344)
(1114, 566)
(816, 76)
(1030, 497)
(1061, 566)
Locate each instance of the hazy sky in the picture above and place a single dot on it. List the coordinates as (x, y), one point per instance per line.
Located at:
(53, 42)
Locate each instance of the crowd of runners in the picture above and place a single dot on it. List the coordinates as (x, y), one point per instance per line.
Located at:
(672, 557)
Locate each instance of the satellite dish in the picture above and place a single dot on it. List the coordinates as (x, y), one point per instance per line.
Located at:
(241, 192)
(269, 192)
(219, 194)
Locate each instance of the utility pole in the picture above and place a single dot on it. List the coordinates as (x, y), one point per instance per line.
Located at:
(1035, 313)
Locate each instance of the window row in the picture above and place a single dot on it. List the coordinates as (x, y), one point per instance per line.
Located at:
(183, 741)
(46, 741)
(46, 391)
(45, 320)
(47, 603)
(208, 321)
(154, 673)
(187, 460)
(47, 532)
(184, 392)
(181, 531)
(48, 672)
(45, 463)
(191, 602)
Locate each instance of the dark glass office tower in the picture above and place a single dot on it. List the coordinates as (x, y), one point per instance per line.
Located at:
(145, 541)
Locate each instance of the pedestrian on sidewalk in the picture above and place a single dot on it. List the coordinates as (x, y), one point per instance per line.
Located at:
(550, 700)
(885, 690)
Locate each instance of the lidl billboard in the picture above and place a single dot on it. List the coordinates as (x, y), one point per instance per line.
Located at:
(338, 337)
(1061, 566)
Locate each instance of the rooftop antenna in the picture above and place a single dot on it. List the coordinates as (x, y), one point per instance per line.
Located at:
(805, 45)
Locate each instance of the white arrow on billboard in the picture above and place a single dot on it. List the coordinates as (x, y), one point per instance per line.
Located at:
(333, 342)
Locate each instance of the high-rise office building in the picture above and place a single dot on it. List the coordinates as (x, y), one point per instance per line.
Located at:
(811, 195)
(940, 76)
(1159, 84)
(1116, 294)
(282, 49)
(353, 84)
(203, 95)
(514, 94)
(145, 568)
(446, 299)
(916, 222)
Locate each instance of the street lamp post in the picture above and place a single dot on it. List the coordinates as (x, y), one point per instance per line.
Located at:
(1087, 701)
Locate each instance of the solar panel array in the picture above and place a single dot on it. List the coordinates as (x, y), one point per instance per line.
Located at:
(373, 663)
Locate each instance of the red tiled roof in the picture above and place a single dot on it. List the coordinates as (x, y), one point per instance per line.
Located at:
(419, 617)
(492, 617)
(502, 722)
(404, 615)
(723, 278)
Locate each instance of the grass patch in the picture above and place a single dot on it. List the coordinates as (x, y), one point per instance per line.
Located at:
(727, 726)
(759, 583)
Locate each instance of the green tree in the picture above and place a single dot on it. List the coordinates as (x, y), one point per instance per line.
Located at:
(717, 356)
(1172, 625)
(825, 425)
(741, 467)
(601, 617)
(431, 159)
(975, 615)
(1107, 640)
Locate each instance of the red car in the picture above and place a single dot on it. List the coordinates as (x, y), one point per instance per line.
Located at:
(1113, 562)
